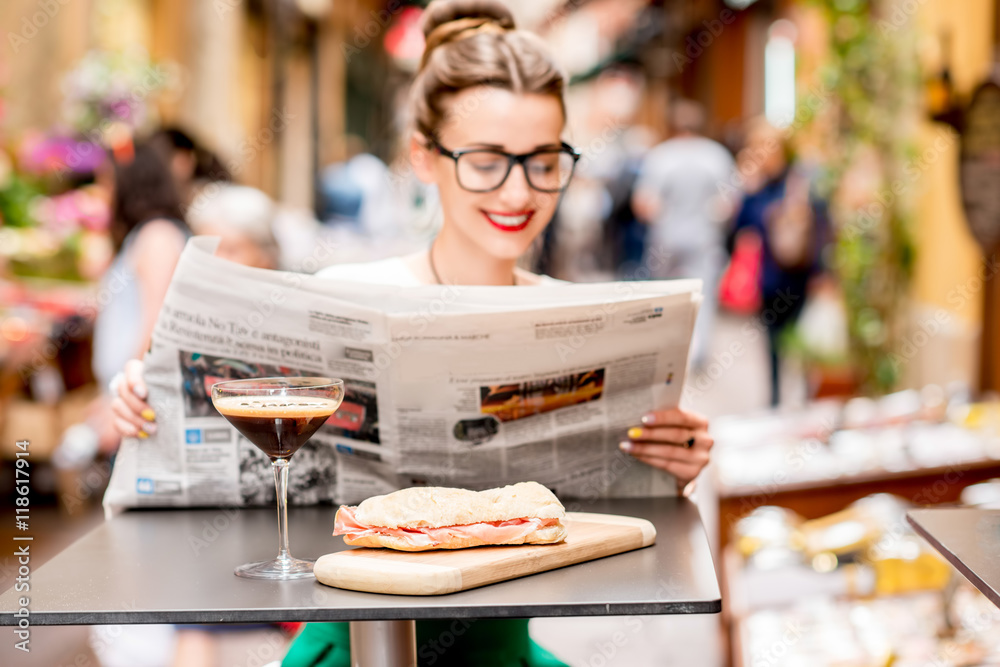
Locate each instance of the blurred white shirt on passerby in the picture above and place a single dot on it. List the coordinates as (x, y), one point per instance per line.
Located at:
(688, 177)
(685, 193)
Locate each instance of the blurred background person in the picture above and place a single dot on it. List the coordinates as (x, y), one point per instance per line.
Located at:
(680, 195)
(243, 218)
(147, 213)
(342, 195)
(148, 231)
(792, 227)
(595, 236)
(192, 165)
(357, 189)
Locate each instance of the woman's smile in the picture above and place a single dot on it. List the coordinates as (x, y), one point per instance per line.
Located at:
(513, 221)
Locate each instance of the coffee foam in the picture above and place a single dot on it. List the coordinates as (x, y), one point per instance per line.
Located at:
(273, 407)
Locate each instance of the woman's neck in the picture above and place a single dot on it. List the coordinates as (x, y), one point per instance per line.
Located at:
(459, 261)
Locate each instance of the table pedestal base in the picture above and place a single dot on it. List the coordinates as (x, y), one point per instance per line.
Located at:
(383, 644)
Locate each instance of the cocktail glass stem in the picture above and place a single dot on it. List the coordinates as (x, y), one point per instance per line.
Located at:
(280, 467)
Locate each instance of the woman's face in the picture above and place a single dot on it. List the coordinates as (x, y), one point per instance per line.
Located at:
(505, 221)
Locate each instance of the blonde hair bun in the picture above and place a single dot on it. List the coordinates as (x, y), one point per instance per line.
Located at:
(470, 43)
(441, 12)
(452, 20)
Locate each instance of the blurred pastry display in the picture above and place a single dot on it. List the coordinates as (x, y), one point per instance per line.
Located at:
(830, 440)
(855, 588)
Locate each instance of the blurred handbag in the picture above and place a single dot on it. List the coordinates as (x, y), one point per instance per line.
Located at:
(739, 288)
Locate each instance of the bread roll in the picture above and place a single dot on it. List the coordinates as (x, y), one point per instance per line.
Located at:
(423, 518)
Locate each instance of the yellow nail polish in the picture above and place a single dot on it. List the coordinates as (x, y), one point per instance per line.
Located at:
(143, 434)
(148, 415)
(635, 433)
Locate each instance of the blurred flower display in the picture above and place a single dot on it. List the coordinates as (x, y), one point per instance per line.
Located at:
(53, 219)
(46, 230)
(53, 157)
(76, 210)
(112, 86)
(16, 196)
(62, 237)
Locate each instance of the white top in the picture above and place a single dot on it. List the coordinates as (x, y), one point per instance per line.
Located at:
(687, 174)
(399, 271)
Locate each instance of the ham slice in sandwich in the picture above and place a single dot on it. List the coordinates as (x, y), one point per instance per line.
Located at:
(425, 518)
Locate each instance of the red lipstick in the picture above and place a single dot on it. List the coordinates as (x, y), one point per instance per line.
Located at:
(513, 228)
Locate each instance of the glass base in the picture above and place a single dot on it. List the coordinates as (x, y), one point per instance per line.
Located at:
(277, 570)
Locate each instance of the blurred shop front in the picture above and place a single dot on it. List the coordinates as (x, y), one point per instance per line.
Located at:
(818, 563)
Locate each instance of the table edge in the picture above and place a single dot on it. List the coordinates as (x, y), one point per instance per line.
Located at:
(363, 614)
(951, 557)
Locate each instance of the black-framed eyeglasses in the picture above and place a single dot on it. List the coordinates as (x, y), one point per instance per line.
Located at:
(486, 169)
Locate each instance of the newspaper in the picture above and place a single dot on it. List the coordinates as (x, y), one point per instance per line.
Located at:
(445, 385)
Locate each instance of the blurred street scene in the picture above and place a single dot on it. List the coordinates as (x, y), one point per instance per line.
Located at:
(830, 169)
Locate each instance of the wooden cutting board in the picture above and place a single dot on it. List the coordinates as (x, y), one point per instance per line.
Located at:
(589, 536)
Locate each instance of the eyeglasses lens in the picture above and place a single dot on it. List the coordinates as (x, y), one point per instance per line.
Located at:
(549, 171)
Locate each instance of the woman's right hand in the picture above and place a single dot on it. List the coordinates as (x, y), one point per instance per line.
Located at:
(133, 415)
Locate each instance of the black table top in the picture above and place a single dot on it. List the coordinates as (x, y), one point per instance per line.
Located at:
(176, 566)
(969, 539)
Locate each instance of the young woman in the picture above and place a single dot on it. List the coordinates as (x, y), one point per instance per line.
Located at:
(489, 120)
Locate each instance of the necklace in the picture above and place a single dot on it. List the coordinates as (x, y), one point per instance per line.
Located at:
(437, 276)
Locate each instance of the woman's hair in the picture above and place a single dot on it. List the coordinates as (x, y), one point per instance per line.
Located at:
(473, 43)
(144, 190)
(207, 167)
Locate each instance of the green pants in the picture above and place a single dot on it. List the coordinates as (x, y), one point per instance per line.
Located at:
(457, 643)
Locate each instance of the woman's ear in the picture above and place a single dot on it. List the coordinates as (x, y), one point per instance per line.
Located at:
(421, 158)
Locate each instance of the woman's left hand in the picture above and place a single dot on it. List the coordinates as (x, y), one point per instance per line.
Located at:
(673, 440)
